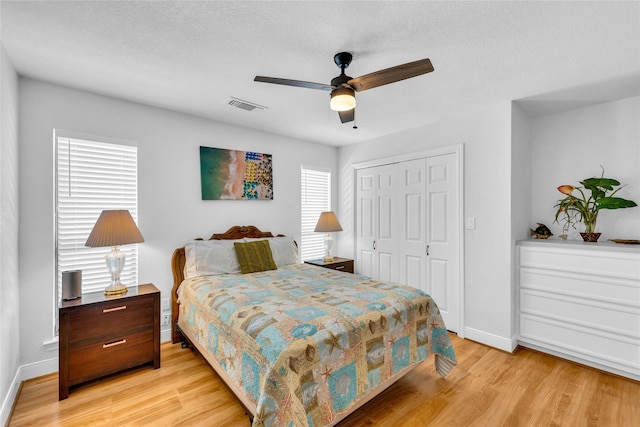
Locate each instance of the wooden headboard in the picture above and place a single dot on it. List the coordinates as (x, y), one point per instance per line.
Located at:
(178, 261)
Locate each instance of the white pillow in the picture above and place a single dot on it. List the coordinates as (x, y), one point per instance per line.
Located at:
(210, 257)
(283, 249)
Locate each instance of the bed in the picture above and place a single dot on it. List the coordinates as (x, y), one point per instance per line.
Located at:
(299, 345)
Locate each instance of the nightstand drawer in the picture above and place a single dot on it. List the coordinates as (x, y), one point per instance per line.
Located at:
(109, 356)
(111, 317)
(342, 266)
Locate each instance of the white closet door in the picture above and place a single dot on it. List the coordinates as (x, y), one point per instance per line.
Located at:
(366, 221)
(408, 225)
(375, 245)
(411, 223)
(385, 243)
(442, 236)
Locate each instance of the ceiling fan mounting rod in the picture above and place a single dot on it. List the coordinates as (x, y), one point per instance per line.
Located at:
(342, 60)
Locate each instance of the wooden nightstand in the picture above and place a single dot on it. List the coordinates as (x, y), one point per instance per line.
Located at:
(101, 335)
(342, 264)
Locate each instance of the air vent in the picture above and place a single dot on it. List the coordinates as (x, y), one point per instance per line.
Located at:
(245, 105)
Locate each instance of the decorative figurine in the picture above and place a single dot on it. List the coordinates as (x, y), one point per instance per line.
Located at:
(542, 232)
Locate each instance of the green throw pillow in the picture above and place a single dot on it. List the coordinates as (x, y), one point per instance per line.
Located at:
(255, 256)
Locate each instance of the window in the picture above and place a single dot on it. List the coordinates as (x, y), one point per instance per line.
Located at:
(316, 198)
(91, 176)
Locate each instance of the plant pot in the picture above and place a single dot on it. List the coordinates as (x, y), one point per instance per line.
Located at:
(590, 237)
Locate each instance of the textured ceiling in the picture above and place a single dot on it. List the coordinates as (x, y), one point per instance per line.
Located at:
(194, 56)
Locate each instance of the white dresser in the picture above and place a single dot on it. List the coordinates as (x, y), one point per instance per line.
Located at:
(581, 301)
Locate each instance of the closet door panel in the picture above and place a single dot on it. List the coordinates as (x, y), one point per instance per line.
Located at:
(414, 271)
(366, 181)
(385, 239)
(442, 236)
(366, 262)
(411, 237)
(438, 275)
(386, 269)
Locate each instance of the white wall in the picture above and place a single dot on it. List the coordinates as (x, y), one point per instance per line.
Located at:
(521, 164)
(9, 285)
(170, 207)
(570, 146)
(486, 135)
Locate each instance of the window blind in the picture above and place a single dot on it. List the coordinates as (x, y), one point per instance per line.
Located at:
(92, 176)
(316, 198)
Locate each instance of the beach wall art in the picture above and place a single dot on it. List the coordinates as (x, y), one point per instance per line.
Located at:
(235, 175)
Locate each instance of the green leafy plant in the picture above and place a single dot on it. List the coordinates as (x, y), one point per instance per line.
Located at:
(586, 209)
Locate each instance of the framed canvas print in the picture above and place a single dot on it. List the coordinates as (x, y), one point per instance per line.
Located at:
(235, 175)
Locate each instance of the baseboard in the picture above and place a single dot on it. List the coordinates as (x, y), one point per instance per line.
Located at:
(501, 343)
(165, 335)
(7, 403)
(23, 373)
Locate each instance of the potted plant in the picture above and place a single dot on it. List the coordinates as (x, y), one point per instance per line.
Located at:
(586, 209)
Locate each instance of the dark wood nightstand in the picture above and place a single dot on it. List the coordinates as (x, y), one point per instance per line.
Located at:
(101, 335)
(342, 264)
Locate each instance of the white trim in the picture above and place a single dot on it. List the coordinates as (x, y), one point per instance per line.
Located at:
(63, 133)
(165, 335)
(9, 399)
(439, 151)
(458, 150)
(51, 345)
(25, 372)
(316, 168)
(501, 343)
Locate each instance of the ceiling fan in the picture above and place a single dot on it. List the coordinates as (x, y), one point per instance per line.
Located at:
(343, 87)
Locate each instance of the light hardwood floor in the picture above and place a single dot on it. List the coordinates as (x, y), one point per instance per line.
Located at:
(487, 388)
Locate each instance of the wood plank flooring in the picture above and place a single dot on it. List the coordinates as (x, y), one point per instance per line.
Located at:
(487, 388)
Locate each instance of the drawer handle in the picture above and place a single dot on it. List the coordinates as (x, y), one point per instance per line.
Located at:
(111, 344)
(340, 267)
(109, 310)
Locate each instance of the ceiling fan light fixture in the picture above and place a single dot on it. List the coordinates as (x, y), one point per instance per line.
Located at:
(343, 99)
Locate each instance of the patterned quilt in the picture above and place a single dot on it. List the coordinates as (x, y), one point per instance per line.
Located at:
(306, 343)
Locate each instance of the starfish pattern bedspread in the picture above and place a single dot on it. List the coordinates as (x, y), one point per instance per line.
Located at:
(305, 344)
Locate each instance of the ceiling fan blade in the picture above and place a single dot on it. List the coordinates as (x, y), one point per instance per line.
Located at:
(391, 75)
(297, 83)
(347, 116)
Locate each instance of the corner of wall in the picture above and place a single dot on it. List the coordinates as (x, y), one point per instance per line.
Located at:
(9, 288)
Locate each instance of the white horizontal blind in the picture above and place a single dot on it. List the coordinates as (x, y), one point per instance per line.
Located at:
(316, 198)
(92, 176)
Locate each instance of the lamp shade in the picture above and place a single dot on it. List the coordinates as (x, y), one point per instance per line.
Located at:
(342, 99)
(114, 228)
(328, 222)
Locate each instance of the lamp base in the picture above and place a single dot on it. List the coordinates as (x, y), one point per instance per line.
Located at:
(115, 264)
(116, 289)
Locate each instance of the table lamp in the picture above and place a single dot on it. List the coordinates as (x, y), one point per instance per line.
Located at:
(114, 228)
(327, 223)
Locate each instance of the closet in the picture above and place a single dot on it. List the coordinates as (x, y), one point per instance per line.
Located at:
(408, 226)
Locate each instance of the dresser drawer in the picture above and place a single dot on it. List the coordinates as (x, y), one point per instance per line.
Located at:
(588, 262)
(107, 318)
(588, 313)
(109, 356)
